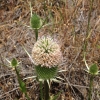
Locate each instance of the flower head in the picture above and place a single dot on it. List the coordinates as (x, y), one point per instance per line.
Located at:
(46, 53)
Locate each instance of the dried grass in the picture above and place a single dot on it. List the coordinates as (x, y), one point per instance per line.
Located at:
(68, 23)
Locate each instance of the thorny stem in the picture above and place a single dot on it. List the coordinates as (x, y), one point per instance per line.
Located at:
(36, 33)
(46, 90)
(41, 92)
(17, 73)
(19, 80)
(91, 87)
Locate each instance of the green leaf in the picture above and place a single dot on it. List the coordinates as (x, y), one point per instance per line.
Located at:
(46, 73)
(55, 97)
(14, 62)
(98, 46)
(35, 21)
(22, 86)
(93, 69)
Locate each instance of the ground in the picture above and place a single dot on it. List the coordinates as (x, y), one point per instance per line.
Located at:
(67, 23)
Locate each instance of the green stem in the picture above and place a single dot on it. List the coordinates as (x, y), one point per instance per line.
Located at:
(30, 8)
(17, 74)
(44, 6)
(20, 82)
(89, 17)
(41, 92)
(36, 33)
(46, 90)
(88, 27)
(27, 96)
(91, 87)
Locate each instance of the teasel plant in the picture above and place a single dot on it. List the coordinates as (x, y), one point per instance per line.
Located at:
(36, 22)
(93, 70)
(14, 64)
(46, 56)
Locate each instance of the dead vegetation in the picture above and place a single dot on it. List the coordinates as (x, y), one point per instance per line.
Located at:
(66, 20)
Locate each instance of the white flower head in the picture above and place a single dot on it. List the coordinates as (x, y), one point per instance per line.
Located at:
(46, 52)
